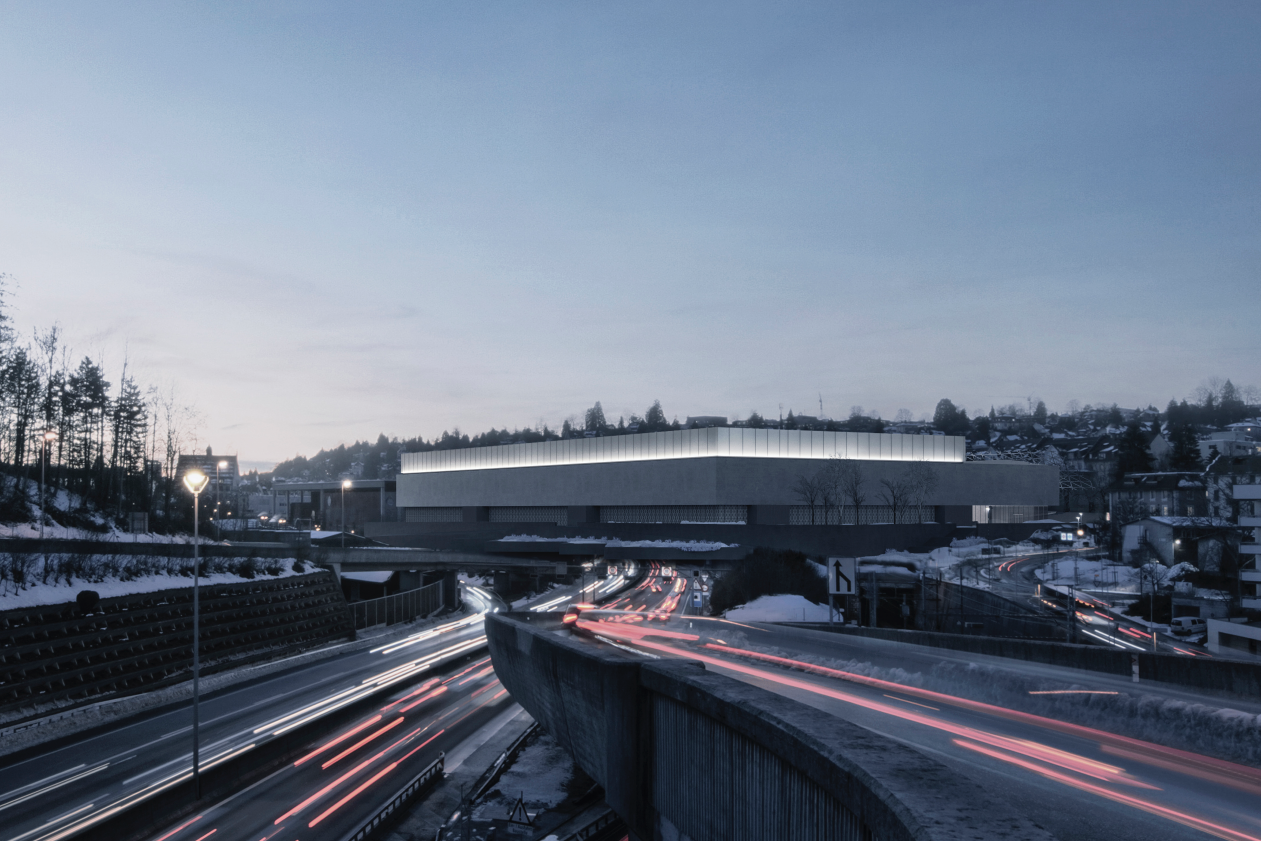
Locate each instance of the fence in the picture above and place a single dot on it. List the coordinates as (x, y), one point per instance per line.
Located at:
(382, 820)
(400, 607)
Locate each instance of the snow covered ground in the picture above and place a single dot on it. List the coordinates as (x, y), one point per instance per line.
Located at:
(1094, 574)
(682, 545)
(59, 592)
(779, 609)
(539, 775)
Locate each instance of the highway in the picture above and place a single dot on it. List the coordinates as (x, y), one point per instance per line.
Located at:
(67, 790)
(342, 779)
(1014, 579)
(1077, 780)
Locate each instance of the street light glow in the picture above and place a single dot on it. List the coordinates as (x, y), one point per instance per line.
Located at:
(195, 481)
(345, 483)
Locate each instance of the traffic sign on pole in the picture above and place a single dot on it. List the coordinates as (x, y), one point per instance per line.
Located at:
(842, 576)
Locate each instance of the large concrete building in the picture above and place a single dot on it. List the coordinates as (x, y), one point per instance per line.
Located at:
(712, 476)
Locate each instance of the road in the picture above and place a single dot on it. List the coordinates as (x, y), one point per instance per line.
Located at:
(1014, 578)
(65, 790)
(341, 780)
(1077, 781)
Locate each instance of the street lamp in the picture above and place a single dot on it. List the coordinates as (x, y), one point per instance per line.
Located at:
(345, 484)
(46, 437)
(196, 481)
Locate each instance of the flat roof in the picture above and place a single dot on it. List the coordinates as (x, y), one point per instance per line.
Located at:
(715, 442)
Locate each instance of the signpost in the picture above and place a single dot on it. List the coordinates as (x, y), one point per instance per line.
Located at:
(842, 581)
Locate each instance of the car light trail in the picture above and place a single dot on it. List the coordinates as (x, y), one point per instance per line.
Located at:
(180, 828)
(1205, 768)
(348, 751)
(54, 786)
(1119, 797)
(387, 769)
(419, 701)
(343, 737)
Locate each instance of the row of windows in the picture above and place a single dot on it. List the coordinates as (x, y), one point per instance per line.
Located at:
(733, 514)
(864, 515)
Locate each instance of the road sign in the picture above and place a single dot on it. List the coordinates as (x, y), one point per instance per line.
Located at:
(842, 577)
(696, 599)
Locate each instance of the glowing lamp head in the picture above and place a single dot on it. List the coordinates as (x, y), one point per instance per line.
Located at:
(223, 465)
(49, 435)
(345, 483)
(195, 481)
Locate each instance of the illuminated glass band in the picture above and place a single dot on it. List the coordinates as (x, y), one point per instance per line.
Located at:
(694, 443)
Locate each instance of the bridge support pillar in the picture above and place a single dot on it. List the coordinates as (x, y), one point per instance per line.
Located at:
(451, 590)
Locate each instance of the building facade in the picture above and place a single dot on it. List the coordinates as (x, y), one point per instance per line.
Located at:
(716, 475)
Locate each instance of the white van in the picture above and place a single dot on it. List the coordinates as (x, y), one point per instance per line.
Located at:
(1185, 626)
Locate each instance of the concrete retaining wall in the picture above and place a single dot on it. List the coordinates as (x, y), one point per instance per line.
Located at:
(685, 754)
(139, 642)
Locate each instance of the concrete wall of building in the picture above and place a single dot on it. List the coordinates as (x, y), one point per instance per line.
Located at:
(684, 753)
(712, 481)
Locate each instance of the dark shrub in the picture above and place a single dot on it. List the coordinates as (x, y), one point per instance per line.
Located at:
(768, 572)
(88, 601)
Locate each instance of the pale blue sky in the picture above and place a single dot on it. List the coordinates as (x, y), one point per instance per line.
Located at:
(330, 220)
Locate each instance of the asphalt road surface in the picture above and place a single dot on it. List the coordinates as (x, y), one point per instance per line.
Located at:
(1077, 781)
(60, 792)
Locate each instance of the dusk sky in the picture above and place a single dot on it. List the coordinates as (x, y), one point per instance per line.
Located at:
(326, 221)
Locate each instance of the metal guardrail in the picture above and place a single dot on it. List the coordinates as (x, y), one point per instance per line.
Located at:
(603, 822)
(400, 607)
(390, 811)
(492, 773)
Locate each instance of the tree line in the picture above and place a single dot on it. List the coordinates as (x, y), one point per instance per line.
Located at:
(841, 484)
(112, 445)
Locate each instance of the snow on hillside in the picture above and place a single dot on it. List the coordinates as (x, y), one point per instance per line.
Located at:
(60, 592)
(779, 609)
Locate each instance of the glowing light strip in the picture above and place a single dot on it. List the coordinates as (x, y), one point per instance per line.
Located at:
(718, 442)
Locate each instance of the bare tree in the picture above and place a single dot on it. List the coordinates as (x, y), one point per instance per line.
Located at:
(895, 493)
(809, 490)
(921, 481)
(845, 478)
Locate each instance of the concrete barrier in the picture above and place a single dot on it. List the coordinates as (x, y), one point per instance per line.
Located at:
(1231, 677)
(686, 754)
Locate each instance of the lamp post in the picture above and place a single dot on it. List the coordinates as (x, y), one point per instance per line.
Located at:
(345, 484)
(45, 438)
(196, 481)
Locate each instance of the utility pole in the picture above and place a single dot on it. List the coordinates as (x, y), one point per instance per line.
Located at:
(1072, 614)
(875, 600)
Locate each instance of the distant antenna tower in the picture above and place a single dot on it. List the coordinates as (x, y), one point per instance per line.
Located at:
(820, 404)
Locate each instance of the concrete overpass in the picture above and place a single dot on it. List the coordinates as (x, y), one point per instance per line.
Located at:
(686, 754)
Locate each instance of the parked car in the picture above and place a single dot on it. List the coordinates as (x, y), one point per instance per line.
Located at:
(1185, 626)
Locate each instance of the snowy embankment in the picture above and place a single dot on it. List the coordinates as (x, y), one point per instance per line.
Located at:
(1208, 726)
(110, 576)
(607, 542)
(540, 777)
(779, 609)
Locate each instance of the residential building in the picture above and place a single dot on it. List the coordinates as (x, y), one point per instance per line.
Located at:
(1204, 542)
(1160, 494)
(1234, 493)
(1232, 443)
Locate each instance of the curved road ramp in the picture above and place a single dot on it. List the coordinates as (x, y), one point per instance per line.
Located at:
(690, 755)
